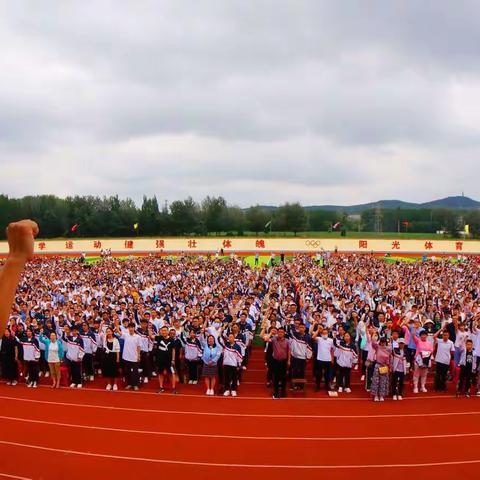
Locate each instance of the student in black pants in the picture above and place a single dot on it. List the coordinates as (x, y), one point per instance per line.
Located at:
(131, 356)
(76, 374)
(467, 371)
(269, 362)
(8, 356)
(280, 378)
(74, 356)
(441, 372)
(399, 367)
(280, 361)
(230, 379)
(232, 359)
(444, 349)
(31, 354)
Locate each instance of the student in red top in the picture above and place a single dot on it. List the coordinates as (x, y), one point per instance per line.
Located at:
(281, 361)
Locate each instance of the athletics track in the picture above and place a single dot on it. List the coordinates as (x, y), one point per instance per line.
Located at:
(93, 434)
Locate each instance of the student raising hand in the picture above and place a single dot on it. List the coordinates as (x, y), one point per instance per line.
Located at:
(20, 237)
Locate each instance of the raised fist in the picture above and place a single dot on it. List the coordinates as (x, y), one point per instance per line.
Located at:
(20, 237)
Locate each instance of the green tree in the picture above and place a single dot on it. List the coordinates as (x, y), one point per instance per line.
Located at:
(235, 220)
(368, 220)
(257, 217)
(214, 214)
(149, 216)
(322, 220)
(291, 217)
(185, 217)
(473, 220)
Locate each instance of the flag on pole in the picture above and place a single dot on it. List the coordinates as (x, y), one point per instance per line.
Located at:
(74, 228)
(135, 226)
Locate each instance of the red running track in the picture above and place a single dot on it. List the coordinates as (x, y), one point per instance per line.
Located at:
(93, 434)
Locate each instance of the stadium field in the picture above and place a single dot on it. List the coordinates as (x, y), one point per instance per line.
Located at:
(265, 259)
(307, 234)
(213, 437)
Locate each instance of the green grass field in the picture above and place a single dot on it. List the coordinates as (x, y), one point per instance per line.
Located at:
(250, 260)
(265, 259)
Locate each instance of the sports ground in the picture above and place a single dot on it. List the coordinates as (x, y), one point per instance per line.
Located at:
(308, 435)
(215, 437)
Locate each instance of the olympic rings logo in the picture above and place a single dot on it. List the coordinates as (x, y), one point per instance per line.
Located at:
(313, 243)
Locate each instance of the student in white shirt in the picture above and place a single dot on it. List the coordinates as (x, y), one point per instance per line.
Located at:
(461, 336)
(444, 348)
(54, 355)
(131, 357)
(111, 359)
(74, 356)
(31, 354)
(324, 357)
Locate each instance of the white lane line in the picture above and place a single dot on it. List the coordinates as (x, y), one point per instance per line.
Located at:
(267, 397)
(234, 414)
(237, 437)
(237, 465)
(429, 383)
(6, 475)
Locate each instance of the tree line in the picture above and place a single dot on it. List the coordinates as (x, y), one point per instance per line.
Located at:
(111, 217)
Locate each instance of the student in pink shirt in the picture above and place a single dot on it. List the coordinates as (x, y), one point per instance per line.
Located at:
(422, 361)
(371, 336)
(381, 374)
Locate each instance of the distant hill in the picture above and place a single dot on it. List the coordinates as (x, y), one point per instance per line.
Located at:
(459, 202)
(453, 202)
(365, 206)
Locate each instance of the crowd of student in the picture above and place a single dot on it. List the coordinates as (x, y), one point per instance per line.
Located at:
(388, 321)
(135, 320)
(196, 319)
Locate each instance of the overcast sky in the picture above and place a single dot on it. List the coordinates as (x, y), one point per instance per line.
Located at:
(259, 101)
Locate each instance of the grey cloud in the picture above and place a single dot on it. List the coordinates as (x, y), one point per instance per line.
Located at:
(257, 100)
(242, 71)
